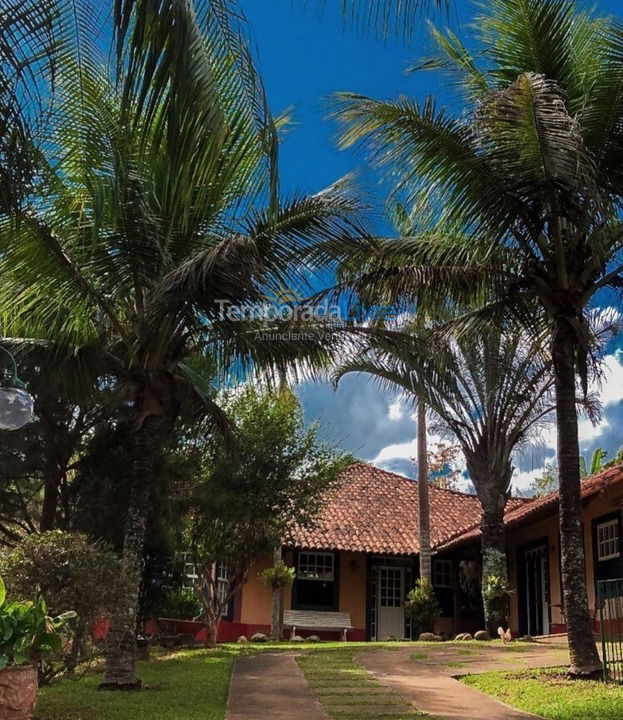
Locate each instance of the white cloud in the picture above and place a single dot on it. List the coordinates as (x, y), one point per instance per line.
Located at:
(612, 387)
(395, 410)
(399, 451)
(522, 480)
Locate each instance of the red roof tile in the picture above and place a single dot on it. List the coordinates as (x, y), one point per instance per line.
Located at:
(546, 505)
(376, 511)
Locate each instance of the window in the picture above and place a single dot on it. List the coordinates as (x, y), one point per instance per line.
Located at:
(222, 581)
(316, 586)
(442, 575)
(191, 576)
(608, 540)
(316, 566)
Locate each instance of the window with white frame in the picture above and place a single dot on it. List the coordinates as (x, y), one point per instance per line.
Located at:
(608, 541)
(316, 566)
(442, 573)
(191, 576)
(222, 581)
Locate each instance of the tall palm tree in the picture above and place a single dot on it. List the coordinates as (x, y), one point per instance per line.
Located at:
(532, 172)
(157, 226)
(490, 391)
(426, 572)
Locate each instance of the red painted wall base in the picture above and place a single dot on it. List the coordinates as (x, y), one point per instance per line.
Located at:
(228, 631)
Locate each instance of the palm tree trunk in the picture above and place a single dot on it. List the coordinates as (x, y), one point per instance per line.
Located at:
(51, 488)
(582, 648)
(121, 640)
(423, 504)
(277, 603)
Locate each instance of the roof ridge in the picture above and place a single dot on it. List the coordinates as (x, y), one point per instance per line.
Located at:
(411, 480)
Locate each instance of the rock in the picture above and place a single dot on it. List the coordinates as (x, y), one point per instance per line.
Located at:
(463, 637)
(242, 640)
(482, 635)
(297, 638)
(259, 638)
(428, 637)
(313, 638)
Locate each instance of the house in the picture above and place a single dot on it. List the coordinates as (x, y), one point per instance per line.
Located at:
(533, 552)
(362, 556)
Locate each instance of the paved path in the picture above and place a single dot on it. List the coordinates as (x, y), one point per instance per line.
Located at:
(430, 686)
(271, 687)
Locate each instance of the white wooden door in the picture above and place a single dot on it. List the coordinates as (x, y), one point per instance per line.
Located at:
(391, 613)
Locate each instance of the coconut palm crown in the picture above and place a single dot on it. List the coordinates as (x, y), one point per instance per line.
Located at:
(154, 211)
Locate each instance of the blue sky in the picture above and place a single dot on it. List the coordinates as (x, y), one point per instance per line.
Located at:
(304, 55)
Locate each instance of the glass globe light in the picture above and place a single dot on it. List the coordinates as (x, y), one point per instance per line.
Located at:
(17, 408)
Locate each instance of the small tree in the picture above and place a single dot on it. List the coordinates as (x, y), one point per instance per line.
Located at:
(422, 606)
(247, 506)
(71, 573)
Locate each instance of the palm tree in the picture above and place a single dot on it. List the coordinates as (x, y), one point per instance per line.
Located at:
(156, 226)
(490, 391)
(422, 489)
(532, 173)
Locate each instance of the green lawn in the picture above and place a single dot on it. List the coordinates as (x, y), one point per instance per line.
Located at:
(185, 685)
(189, 685)
(550, 694)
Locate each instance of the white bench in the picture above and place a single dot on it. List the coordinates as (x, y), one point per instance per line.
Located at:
(317, 620)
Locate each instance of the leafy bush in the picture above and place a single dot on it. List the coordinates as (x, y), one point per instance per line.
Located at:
(422, 606)
(278, 577)
(70, 572)
(180, 603)
(27, 633)
(496, 589)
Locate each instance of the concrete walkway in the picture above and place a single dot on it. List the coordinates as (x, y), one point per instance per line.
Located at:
(271, 687)
(430, 684)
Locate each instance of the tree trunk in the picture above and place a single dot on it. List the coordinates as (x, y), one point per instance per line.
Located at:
(211, 624)
(277, 603)
(51, 485)
(582, 649)
(121, 640)
(493, 538)
(423, 504)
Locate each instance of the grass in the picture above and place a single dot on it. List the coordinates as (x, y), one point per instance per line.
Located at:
(189, 685)
(552, 695)
(181, 685)
(348, 692)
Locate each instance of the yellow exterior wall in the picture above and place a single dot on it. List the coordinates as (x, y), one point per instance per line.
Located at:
(256, 597)
(353, 587)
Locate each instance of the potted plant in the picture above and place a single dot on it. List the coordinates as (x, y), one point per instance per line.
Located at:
(27, 633)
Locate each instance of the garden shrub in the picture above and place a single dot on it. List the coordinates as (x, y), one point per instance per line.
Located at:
(72, 573)
(422, 607)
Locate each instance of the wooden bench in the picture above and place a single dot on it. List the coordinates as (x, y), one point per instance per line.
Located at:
(317, 620)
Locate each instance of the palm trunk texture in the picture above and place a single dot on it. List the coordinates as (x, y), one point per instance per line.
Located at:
(423, 504)
(582, 648)
(121, 641)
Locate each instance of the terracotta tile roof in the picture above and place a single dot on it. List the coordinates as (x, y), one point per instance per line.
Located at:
(547, 505)
(376, 511)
